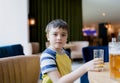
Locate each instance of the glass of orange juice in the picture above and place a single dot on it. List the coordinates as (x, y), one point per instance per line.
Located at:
(99, 53)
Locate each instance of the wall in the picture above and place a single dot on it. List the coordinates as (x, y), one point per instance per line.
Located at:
(13, 22)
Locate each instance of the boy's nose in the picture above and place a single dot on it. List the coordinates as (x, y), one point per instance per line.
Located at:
(59, 36)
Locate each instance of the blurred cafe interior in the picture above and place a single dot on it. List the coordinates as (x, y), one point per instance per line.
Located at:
(92, 23)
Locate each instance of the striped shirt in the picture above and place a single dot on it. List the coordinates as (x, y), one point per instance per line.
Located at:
(48, 61)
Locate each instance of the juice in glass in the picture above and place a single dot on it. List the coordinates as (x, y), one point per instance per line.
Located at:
(99, 53)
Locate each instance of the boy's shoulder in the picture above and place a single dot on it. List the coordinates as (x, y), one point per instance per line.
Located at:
(52, 52)
(49, 51)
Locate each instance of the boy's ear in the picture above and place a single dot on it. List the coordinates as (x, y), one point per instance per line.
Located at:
(47, 36)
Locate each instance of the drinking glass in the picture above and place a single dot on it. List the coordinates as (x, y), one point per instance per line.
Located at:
(99, 53)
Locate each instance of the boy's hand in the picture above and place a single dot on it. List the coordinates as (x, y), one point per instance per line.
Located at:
(96, 64)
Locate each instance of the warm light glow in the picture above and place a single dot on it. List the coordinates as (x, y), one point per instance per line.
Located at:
(31, 21)
(110, 28)
(108, 25)
(103, 14)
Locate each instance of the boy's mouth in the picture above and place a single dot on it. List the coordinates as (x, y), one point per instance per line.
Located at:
(59, 42)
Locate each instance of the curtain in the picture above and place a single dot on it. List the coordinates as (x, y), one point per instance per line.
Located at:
(46, 10)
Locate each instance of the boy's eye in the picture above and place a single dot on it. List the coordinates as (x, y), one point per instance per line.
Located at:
(55, 34)
(63, 35)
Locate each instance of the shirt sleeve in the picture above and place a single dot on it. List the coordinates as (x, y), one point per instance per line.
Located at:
(47, 63)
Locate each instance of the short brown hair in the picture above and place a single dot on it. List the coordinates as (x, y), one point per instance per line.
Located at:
(58, 23)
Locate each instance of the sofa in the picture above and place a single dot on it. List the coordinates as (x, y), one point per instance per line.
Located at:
(88, 55)
(11, 50)
(76, 49)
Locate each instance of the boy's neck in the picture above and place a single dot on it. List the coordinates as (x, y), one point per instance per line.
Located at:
(59, 51)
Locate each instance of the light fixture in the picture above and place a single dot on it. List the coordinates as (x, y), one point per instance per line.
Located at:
(31, 21)
(103, 14)
(109, 28)
(108, 25)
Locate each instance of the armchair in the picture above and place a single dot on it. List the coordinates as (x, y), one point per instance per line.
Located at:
(20, 69)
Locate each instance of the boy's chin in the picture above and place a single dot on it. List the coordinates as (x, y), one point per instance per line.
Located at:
(58, 47)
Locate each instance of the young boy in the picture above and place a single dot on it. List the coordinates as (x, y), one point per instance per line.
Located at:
(56, 62)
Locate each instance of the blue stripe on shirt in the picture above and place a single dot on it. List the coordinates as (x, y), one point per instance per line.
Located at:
(48, 67)
(44, 58)
(51, 52)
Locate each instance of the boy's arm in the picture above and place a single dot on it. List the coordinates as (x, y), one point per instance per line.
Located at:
(71, 77)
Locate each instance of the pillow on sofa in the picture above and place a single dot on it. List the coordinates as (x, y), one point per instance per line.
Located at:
(11, 50)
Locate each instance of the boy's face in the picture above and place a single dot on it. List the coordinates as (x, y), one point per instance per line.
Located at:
(57, 37)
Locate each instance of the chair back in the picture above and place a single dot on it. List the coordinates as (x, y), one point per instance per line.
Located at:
(88, 52)
(20, 69)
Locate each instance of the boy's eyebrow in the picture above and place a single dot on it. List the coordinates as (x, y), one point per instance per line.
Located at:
(64, 32)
